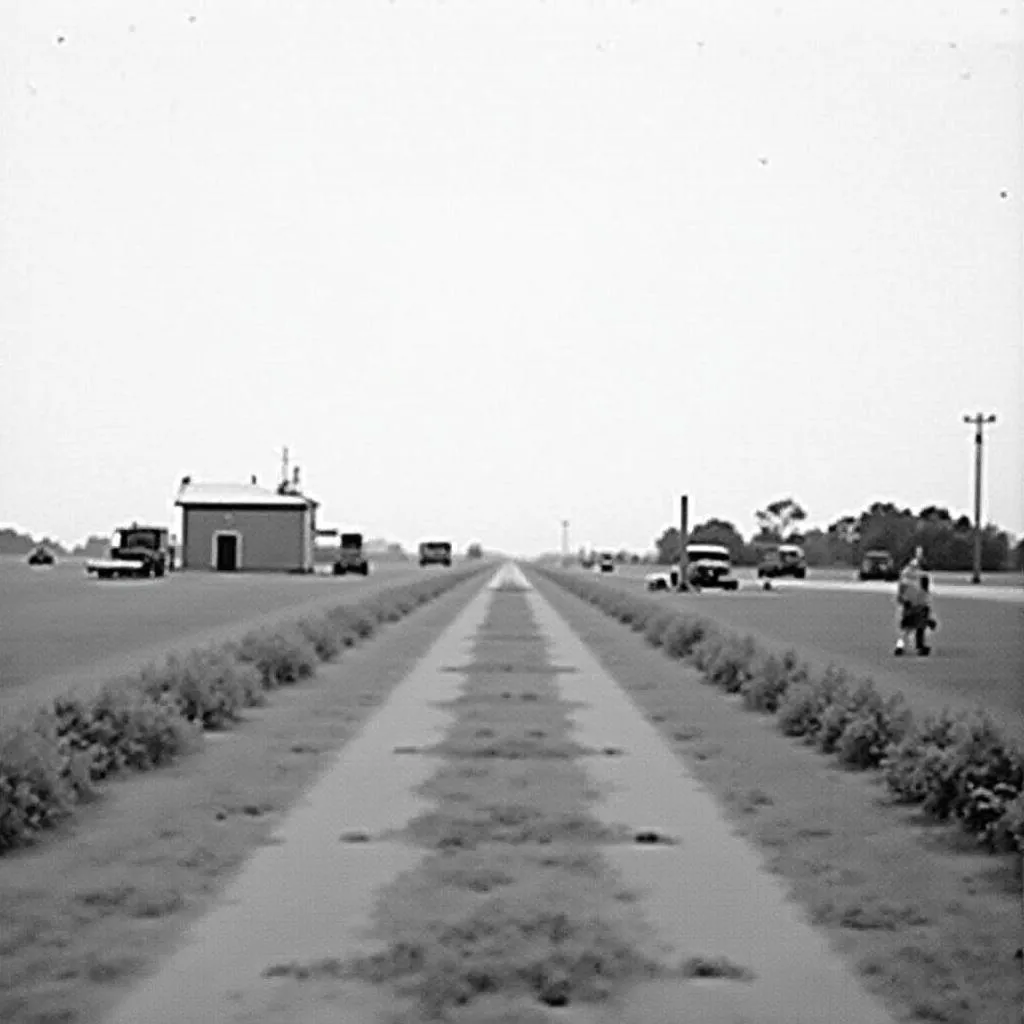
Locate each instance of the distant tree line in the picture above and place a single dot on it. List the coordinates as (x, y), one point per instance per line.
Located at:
(14, 542)
(948, 541)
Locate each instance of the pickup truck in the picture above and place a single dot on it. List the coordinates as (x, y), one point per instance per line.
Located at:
(137, 551)
(350, 556)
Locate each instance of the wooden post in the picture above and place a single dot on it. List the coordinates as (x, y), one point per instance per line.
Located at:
(684, 531)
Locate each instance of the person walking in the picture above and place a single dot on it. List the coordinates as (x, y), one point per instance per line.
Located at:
(913, 601)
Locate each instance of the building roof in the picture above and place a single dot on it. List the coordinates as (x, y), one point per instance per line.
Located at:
(238, 496)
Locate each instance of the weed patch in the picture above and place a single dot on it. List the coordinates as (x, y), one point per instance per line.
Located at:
(553, 943)
(512, 824)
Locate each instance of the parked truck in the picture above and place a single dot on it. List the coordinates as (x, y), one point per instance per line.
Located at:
(351, 557)
(436, 552)
(136, 551)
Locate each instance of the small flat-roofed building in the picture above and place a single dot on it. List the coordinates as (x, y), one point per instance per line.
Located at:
(230, 527)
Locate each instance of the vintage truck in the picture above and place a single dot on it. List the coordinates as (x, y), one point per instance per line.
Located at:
(137, 551)
(707, 566)
(351, 557)
(436, 552)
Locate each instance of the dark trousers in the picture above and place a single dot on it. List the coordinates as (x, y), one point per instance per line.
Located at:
(916, 619)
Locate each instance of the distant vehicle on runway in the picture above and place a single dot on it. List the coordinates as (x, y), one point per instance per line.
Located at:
(782, 560)
(137, 551)
(351, 557)
(709, 566)
(41, 555)
(436, 552)
(606, 562)
(878, 564)
(662, 579)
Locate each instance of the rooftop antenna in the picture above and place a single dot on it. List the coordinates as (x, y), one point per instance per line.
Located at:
(284, 465)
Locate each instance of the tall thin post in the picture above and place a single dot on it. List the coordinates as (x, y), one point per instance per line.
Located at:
(565, 542)
(979, 421)
(684, 532)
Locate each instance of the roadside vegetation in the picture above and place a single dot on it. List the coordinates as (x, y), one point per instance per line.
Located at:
(899, 837)
(57, 756)
(958, 767)
(88, 907)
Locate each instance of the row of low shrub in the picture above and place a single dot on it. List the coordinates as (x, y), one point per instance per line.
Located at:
(956, 766)
(54, 758)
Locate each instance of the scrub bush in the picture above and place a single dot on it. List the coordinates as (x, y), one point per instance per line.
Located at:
(957, 767)
(281, 657)
(208, 686)
(53, 759)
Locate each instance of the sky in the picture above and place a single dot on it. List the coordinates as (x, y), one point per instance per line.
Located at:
(487, 266)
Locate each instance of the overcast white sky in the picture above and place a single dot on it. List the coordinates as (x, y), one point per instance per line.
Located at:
(487, 265)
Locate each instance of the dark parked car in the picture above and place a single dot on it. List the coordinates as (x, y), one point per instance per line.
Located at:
(784, 560)
(351, 557)
(41, 555)
(436, 552)
(878, 565)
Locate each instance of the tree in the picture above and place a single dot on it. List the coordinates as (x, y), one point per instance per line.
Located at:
(720, 531)
(14, 543)
(778, 519)
(94, 546)
(668, 547)
(475, 550)
(817, 547)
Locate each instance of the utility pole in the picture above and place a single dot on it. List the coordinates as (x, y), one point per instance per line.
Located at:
(565, 543)
(979, 420)
(684, 532)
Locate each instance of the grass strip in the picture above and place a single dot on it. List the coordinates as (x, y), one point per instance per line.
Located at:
(513, 909)
(55, 757)
(959, 767)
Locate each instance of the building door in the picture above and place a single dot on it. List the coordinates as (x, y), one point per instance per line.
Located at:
(226, 552)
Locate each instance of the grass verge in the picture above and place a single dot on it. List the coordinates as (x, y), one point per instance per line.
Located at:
(930, 919)
(86, 913)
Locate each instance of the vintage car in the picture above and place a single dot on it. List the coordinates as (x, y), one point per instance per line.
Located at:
(878, 564)
(41, 555)
(782, 560)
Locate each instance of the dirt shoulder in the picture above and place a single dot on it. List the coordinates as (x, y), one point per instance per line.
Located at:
(91, 910)
(930, 923)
